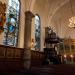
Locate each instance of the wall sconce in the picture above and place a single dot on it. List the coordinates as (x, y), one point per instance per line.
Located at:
(65, 55)
(71, 56)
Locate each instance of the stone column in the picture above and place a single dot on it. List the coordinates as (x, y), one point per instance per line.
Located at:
(27, 39)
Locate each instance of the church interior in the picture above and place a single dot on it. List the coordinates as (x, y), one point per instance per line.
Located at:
(37, 37)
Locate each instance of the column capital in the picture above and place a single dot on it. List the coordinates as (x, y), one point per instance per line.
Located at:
(29, 14)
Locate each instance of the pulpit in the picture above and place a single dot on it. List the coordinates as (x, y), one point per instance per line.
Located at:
(51, 46)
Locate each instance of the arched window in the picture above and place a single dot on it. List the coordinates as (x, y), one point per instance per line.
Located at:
(37, 32)
(11, 27)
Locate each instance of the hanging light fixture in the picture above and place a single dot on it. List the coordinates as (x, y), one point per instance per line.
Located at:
(72, 19)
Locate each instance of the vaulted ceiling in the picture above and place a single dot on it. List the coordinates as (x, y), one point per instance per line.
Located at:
(56, 12)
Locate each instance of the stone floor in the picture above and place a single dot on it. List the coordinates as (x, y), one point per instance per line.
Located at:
(45, 70)
(54, 70)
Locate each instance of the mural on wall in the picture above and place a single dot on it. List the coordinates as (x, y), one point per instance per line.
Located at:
(2, 16)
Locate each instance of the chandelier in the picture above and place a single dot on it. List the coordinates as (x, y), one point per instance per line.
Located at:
(72, 22)
(72, 19)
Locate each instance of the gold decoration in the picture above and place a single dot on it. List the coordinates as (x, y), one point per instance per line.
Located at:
(2, 8)
(2, 15)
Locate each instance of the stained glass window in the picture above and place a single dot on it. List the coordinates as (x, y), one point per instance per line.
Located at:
(37, 32)
(12, 23)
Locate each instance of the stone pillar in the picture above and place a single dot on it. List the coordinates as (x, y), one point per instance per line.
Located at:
(27, 39)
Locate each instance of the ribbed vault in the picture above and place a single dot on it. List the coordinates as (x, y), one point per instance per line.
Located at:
(54, 13)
